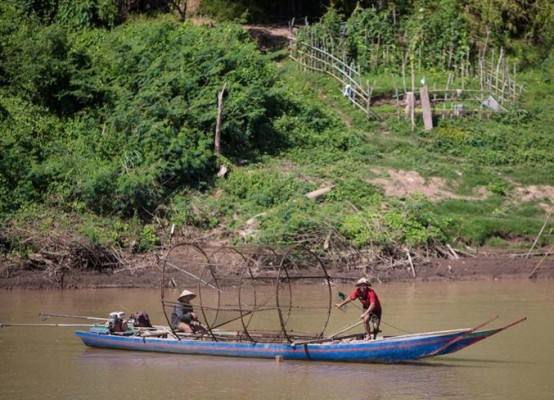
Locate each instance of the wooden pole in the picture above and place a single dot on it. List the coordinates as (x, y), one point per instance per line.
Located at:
(498, 69)
(48, 315)
(217, 149)
(4, 325)
(345, 329)
(330, 337)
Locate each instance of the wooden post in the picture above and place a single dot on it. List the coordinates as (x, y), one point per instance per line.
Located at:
(426, 106)
(217, 147)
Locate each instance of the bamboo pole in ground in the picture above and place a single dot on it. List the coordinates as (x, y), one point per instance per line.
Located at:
(497, 73)
(491, 71)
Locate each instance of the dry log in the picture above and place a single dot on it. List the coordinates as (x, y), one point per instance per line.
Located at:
(319, 192)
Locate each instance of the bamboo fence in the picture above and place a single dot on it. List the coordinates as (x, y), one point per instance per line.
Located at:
(488, 87)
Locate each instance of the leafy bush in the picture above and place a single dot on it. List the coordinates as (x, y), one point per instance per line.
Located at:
(411, 223)
(289, 222)
(260, 190)
(148, 240)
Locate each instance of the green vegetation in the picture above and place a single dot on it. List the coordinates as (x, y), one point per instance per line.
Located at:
(107, 120)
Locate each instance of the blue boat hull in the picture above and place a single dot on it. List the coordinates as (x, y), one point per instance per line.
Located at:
(385, 350)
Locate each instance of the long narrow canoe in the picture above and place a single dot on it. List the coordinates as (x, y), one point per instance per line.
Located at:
(382, 350)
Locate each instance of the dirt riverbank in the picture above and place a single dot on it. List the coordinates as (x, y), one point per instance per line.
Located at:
(147, 275)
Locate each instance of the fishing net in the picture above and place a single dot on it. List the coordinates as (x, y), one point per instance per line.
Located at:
(254, 293)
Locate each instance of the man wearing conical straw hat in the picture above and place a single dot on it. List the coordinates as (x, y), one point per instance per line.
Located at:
(370, 303)
(183, 317)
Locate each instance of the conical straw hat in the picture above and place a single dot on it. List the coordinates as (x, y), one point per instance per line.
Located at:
(186, 294)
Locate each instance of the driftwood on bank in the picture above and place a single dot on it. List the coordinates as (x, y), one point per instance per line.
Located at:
(57, 253)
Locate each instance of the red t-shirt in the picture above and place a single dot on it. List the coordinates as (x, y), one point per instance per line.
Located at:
(367, 299)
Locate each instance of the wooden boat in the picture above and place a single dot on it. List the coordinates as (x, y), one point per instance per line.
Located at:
(382, 350)
(262, 290)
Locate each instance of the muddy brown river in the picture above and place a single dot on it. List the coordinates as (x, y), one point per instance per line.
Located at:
(52, 363)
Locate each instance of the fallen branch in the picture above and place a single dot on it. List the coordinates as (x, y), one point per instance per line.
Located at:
(319, 192)
(453, 252)
(539, 234)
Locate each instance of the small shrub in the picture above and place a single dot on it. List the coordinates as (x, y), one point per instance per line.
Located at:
(148, 239)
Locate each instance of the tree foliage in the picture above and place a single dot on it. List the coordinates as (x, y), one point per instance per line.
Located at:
(131, 110)
(111, 116)
(438, 34)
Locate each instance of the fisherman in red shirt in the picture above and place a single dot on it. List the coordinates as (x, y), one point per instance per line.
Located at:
(371, 305)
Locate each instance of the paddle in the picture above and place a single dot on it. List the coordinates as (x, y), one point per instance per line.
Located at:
(330, 337)
(345, 329)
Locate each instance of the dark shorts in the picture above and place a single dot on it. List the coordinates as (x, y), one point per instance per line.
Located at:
(375, 316)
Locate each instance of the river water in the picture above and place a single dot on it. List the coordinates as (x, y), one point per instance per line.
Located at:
(52, 363)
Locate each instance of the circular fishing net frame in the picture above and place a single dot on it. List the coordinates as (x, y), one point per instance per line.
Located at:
(258, 293)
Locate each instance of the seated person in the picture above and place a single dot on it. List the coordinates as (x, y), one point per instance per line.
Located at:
(183, 318)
